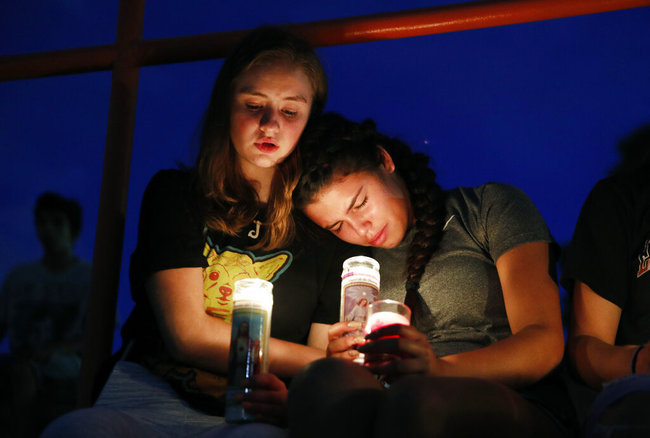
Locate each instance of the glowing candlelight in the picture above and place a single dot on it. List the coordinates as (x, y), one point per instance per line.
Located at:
(382, 319)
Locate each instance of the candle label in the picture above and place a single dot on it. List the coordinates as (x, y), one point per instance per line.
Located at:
(359, 287)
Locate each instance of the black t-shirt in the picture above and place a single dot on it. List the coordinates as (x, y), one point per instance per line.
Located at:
(306, 274)
(610, 252)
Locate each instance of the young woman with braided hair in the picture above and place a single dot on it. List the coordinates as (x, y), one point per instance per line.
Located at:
(476, 266)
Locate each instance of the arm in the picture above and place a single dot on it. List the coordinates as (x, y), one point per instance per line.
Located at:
(318, 336)
(591, 348)
(533, 308)
(194, 337)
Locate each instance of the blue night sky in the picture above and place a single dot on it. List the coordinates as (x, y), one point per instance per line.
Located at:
(538, 105)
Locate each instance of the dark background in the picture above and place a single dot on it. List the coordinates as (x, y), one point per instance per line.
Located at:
(539, 105)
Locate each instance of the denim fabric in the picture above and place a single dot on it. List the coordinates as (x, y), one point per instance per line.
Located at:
(135, 403)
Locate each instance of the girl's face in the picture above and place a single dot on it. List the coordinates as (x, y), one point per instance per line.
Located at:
(364, 208)
(269, 110)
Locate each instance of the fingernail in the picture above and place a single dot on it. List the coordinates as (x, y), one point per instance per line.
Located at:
(355, 324)
(353, 353)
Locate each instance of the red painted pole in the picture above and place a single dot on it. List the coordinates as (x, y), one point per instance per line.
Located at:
(401, 24)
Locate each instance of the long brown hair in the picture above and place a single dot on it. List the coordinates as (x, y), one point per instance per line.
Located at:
(230, 201)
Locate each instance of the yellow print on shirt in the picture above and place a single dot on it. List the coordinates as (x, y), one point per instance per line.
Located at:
(229, 265)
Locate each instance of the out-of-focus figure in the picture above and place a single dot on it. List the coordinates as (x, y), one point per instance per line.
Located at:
(42, 309)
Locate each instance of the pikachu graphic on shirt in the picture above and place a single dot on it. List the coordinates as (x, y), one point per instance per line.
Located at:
(227, 265)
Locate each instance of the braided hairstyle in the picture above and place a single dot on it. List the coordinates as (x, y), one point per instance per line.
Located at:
(335, 147)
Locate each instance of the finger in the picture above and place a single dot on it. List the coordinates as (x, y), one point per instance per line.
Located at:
(341, 328)
(391, 345)
(267, 381)
(265, 397)
(266, 412)
(402, 347)
(344, 344)
(404, 331)
(350, 354)
(399, 367)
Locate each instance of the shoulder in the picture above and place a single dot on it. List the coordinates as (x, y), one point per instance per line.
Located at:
(483, 197)
(615, 204)
(491, 188)
(169, 180)
(169, 188)
(169, 207)
(619, 190)
(497, 190)
(499, 216)
(608, 189)
(22, 274)
(24, 270)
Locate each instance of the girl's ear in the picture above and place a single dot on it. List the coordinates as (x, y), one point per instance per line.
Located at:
(387, 160)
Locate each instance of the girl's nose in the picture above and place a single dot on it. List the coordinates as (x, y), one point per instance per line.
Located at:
(269, 122)
(363, 226)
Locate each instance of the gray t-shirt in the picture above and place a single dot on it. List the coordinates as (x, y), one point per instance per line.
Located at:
(460, 284)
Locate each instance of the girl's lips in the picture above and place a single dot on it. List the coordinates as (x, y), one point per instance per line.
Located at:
(266, 144)
(379, 238)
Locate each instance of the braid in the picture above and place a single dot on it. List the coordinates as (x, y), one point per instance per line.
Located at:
(429, 210)
(427, 201)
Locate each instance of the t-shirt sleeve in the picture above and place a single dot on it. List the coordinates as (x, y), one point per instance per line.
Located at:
(169, 231)
(510, 219)
(597, 254)
(328, 309)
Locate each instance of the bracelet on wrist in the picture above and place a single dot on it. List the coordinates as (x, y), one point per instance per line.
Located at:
(635, 357)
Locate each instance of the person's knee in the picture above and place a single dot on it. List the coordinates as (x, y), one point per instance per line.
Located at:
(410, 406)
(326, 378)
(418, 406)
(333, 371)
(331, 396)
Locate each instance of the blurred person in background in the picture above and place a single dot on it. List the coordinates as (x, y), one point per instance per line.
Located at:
(42, 309)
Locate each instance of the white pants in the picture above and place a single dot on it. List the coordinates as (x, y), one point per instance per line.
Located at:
(135, 403)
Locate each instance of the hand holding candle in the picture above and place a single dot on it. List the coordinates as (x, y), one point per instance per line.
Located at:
(406, 350)
(381, 314)
(381, 319)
